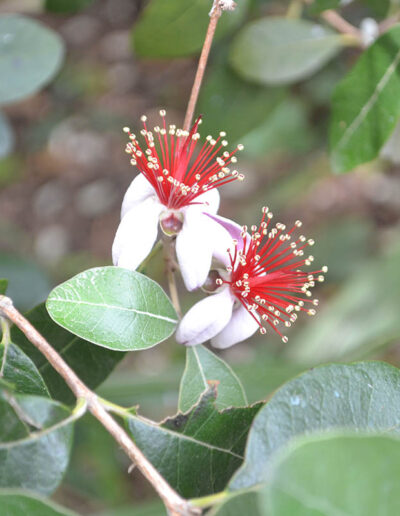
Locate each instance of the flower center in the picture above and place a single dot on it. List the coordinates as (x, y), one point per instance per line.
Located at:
(171, 222)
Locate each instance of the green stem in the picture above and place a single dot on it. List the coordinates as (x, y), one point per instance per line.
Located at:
(207, 501)
(348, 40)
(295, 9)
(5, 341)
(116, 409)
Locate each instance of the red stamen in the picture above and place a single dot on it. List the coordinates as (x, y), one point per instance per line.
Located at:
(170, 164)
(265, 276)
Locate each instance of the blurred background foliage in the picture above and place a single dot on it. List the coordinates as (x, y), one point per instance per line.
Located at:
(99, 65)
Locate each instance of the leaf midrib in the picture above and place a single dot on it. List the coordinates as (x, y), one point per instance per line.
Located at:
(114, 307)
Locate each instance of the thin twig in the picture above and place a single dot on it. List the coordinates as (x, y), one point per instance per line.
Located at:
(176, 505)
(336, 21)
(5, 342)
(215, 14)
(170, 268)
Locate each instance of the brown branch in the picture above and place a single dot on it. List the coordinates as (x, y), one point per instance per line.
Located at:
(335, 20)
(340, 24)
(176, 505)
(215, 14)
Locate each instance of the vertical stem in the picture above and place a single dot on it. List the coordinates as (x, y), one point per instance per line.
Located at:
(5, 341)
(169, 253)
(214, 17)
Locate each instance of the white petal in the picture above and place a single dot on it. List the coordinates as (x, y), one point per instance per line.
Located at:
(139, 190)
(223, 239)
(136, 234)
(205, 319)
(241, 326)
(194, 245)
(209, 201)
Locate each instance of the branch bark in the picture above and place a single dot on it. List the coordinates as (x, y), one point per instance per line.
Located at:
(176, 505)
(218, 7)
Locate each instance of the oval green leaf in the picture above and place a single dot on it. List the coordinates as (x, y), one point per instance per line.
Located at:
(366, 104)
(178, 27)
(113, 307)
(361, 397)
(203, 367)
(18, 503)
(279, 50)
(30, 56)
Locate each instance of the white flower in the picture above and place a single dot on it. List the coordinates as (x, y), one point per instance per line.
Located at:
(203, 233)
(177, 189)
(264, 281)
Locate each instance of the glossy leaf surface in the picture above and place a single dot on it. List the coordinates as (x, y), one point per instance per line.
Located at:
(197, 452)
(358, 397)
(277, 50)
(113, 307)
(366, 104)
(30, 56)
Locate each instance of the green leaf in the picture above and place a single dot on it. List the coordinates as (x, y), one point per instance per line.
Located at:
(340, 330)
(285, 129)
(379, 7)
(225, 98)
(3, 286)
(326, 475)
(178, 27)
(363, 397)
(35, 459)
(336, 475)
(278, 50)
(91, 363)
(203, 367)
(30, 56)
(366, 104)
(22, 373)
(66, 6)
(113, 307)
(20, 273)
(18, 503)
(318, 6)
(6, 137)
(198, 451)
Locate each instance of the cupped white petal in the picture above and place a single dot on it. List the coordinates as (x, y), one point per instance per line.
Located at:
(209, 201)
(241, 326)
(139, 190)
(136, 234)
(205, 319)
(194, 246)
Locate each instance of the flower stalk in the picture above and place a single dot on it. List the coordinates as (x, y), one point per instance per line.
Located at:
(218, 7)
